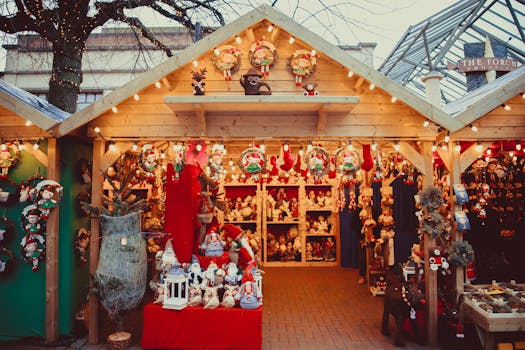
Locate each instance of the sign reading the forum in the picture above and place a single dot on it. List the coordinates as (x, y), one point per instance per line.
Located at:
(481, 64)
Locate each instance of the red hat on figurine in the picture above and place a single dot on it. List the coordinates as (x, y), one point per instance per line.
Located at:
(232, 231)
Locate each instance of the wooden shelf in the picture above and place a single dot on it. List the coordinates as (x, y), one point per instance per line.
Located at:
(241, 222)
(319, 210)
(320, 235)
(229, 184)
(282, 222)
(261, 103)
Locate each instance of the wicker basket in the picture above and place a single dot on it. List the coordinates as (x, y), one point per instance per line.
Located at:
(119, 340)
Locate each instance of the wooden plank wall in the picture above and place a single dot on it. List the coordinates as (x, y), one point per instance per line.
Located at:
(375, 115)
(14, 126)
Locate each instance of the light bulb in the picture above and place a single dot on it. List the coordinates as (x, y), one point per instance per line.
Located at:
(96, 129)
(286, 147)
(21, 146)
(511, 154)
(313, 52)
(112, 147)
(36, 145)
(262, 147)
(270, 28)
(434, 147)
(301, 152)
(217, 52)
(458, 147)
(507, 107)
(162, 155)
(238, 39)
(28, 123)
(350, 147)
(292, 40)
(518, 145)
(114, 109)
(230, 163)
(158, 85)
(198, 147)
(523, 95)
(479, 147)
(393, 99)
(136, 97)
(3, 147)
(372, 86)
(397, 147)
(489, 152)
(444, 147)
(447, 137)
(426, 123)
(309, 147)
(474, 128)
(195, 63)
(134, 147)
(350, 74)
(374, 146)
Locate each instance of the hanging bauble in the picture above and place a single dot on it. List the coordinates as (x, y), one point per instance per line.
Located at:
(227, 59)
(263, 55)
(253, 162)
(318, 161)
(302, 64)
(9, 157)
(215, 160)
(149, 160)
(6, 259)
(7, 229)
(347, 161)
(178, 159)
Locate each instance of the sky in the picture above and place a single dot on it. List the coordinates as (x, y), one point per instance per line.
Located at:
(345, 23)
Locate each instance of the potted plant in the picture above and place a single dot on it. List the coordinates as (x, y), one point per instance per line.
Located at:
(120, 278)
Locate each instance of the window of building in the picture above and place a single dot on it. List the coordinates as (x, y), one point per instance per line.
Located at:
(83, 100)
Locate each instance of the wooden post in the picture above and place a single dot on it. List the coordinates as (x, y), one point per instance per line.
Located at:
(96, 200)
(455, 178)
(430, 276)
(53, 173)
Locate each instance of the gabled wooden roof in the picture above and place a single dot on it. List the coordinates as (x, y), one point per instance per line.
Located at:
(22, 106)
(227, 32)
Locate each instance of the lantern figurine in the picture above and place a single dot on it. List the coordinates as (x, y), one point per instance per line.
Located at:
(302, 64)
(227, 59)
(175, 288)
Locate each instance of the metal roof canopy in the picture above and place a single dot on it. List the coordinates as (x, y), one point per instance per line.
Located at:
(430, 44)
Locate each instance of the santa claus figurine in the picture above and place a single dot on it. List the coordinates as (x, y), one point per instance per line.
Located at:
(239, 241)
(213, 245)
(249, 294)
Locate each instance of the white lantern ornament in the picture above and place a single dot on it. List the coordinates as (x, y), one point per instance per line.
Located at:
(175, 289)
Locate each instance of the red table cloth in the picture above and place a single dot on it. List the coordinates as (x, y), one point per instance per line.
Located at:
(198, 328)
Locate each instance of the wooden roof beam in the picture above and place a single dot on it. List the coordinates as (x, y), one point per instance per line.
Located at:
(413, 156)
(359, 82)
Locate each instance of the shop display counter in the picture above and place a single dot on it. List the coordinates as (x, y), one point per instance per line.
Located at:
(198, 328)
(494, 311)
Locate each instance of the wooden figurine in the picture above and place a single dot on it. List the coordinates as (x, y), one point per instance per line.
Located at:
(251, 84)
(198, 84)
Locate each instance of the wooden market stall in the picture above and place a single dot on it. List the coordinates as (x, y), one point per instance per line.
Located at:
(354, 102)
(25, 123)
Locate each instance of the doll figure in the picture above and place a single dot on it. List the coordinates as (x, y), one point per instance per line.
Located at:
(33, 222)
(252, 86)
(195, 295)
(322, 225)
(213, 245)
(210, 298)
(311, 201)
(328, 202)
(33, 249)
(309, 251)
(47, 201)
(320, 199)
(317, 251)
(310, 89)
(248, 293)
(228, 298)
(329, 249)
(294, 208)
(6, 161)
(81, 244)
(232, 276)
(290, 254)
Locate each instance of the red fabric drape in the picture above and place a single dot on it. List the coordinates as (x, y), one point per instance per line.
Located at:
(180, 216)
(198, 328)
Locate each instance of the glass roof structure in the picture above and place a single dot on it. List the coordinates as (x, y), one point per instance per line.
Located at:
(437, 41)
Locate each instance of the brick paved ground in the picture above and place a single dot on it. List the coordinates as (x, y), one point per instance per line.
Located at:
(321, 308)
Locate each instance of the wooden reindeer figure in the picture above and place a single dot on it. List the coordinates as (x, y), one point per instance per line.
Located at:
(198, 84)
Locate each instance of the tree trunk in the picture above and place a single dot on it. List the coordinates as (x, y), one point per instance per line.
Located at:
(66, 76)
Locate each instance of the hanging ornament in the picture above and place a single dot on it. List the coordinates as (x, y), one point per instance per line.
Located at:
(49, 195)
(215, 160)
(33, 243)
(7, 229)
(198, 83)
(6, 258)
(263, 55)
(227, 59)
(9, 157)
(347, 161)
(149, 159)
(253, 162)
(8, 191)
(318, 161)
(302, 64)
(81, 243)
(178, 159)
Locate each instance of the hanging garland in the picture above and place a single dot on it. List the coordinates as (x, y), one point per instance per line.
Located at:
(302, 64)
(318, 161)
(227, 59)
(6, 259)
(263, 55)
(461, 253)
(9, 157)
(253, 162)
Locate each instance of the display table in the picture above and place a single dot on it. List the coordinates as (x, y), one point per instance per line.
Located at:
(198, 328)
(487, 323)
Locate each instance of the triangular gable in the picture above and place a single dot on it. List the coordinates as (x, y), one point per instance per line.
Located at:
(263, 12)
(30, 107)
(479, 102)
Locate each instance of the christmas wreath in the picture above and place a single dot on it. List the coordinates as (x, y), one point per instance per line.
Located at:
(302, 64)
(8, 191)
(432, 224)
(461, 253)
(347, 161)
(318, 162)
(227, 59)
(253, 161)
(431, 198)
